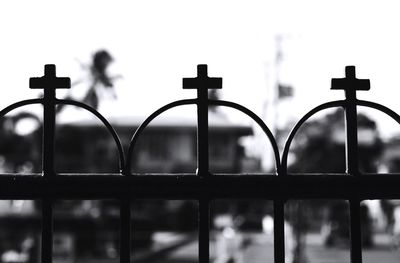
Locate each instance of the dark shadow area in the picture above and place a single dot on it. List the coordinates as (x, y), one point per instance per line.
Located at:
(317, 231)
(86, 230)
(164, 230)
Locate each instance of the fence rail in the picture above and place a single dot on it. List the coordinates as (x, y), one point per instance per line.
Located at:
(201, 185)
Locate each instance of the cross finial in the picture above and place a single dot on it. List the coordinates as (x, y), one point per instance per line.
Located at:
(49, 80)
(202, 81)
(350, 83)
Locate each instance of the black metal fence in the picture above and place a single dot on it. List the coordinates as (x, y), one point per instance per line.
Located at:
(202, 186)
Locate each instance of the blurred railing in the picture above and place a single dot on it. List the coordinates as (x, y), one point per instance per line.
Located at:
(202, 186)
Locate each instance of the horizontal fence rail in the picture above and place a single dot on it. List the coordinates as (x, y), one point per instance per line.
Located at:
(189, 186)
(201, 185)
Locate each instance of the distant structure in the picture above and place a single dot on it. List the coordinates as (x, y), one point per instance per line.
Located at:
(168, 145)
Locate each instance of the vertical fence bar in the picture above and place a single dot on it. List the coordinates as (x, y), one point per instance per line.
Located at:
(125, 230)
(49, 82)
(48, 132)
(279, 231)
(48, 166)
(352, 169)
(48, 169)
(352, 165)
(279, 221)
(355, 233)
(202, 83)
(47, 231)
(203, 170)
(351, 133)
(204, 230)
(202, 132)
(350, 84)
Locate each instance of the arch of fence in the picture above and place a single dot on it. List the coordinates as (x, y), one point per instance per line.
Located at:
(125, 186)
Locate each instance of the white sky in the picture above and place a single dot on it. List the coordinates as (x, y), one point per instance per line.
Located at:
(157, 42)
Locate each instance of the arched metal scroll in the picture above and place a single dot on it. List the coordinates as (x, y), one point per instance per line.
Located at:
(380, 108)
(23, 103)
(332, 104)
(328, 105)
(106, 124)
(258, 120)
(146, 122)
(348, 104)
(19, 104)
(229, 104)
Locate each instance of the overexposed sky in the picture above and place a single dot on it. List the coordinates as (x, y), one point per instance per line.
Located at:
(157, 42)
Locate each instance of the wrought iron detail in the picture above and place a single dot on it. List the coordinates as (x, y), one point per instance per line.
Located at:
(203, 186)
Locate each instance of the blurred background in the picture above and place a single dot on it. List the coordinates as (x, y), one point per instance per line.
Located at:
(128, 58)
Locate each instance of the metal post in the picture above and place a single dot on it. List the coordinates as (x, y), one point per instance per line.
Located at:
(352, 167)
(202, 130)
(350, 84)
(49, 82)
(203, 167)
(47, 231)
(125, 230)
(279, 231)
(202, 83)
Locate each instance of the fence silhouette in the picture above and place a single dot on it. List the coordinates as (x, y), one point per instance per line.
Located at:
(201, 185)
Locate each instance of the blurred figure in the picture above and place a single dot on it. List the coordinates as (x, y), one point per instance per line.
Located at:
(299, 216)
(336, 228)
(290, 242)
(100, 80)
(101, 60)
(98, 69)
(366, 226)
(396, 227)
(213, 94)
(229, 242)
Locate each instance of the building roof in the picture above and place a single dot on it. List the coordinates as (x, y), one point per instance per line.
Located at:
(217, 121)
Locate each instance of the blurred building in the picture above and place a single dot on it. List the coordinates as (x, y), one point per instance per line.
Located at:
(167, 145)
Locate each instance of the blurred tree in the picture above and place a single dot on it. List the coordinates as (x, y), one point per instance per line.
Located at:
(99, 78)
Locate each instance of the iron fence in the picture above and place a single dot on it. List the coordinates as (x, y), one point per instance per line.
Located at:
(202, 185)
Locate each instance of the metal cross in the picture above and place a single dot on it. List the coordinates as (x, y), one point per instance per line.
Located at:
(350, 84)
(202, 81)
(49, 83)
(49, 80)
